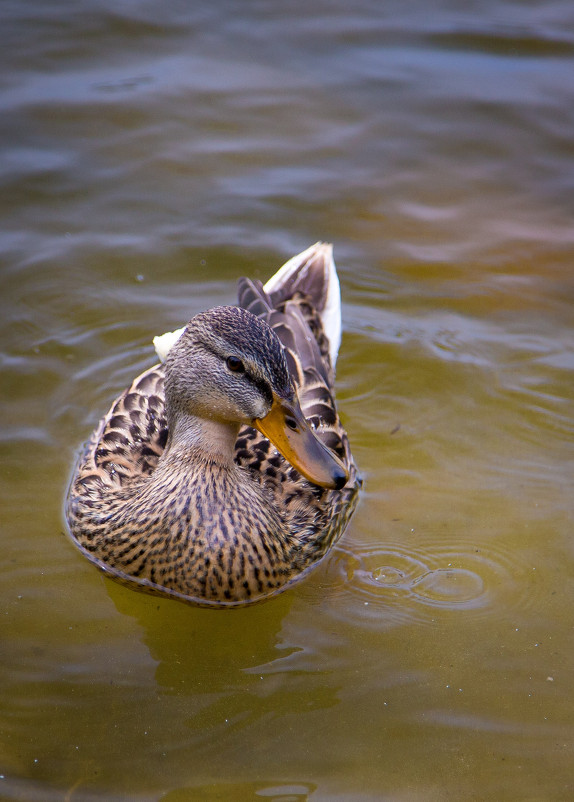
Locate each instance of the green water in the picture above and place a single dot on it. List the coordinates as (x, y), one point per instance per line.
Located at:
(148, 158)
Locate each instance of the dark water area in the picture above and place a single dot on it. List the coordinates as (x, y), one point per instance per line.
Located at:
(149, 156)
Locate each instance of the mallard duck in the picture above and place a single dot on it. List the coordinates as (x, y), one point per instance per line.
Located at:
(223, 474)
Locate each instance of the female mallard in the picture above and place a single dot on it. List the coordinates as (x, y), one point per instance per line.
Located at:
(222, 475)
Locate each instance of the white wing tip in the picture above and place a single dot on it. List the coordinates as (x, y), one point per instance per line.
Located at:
(163, 342)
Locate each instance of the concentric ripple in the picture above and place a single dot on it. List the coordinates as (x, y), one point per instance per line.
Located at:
(393, 586)
(449, 586)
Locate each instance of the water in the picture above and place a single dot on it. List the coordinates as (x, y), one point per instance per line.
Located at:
(151, 155)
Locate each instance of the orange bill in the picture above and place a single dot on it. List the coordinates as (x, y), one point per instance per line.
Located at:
(286, 427)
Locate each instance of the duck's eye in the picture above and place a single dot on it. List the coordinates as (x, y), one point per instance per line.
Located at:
(235, 364)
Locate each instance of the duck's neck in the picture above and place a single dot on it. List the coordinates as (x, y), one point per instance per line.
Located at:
(210, 439)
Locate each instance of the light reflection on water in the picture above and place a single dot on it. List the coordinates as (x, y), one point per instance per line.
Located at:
(149, 157)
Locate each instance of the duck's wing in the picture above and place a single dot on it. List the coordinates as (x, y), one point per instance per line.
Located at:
(129, 440)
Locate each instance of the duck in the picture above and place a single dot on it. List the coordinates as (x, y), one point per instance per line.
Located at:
(223, 475)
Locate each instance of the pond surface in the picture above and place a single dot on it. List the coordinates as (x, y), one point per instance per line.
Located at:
(150, 155)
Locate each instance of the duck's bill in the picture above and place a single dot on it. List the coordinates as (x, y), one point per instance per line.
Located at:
(286, 427)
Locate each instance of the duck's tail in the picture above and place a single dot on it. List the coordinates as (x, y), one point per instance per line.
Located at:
(312, 273)
(301, 303)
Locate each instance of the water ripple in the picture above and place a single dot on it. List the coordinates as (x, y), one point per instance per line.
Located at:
(393, 585)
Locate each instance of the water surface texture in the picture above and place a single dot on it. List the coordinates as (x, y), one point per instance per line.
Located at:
(151, 153)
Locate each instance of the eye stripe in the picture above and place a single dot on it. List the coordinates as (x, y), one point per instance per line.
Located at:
(263, 387)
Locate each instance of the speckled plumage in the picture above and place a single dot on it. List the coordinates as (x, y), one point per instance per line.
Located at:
(156, 502)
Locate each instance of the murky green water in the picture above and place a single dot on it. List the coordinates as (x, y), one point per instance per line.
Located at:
(149, 156)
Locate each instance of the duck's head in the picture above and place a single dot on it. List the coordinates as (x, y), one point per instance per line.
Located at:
(229, 366)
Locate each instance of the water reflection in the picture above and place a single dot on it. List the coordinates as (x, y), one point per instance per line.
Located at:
(243, 792)
(237, 642)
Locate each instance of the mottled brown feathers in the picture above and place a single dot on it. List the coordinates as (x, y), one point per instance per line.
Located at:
(167, 517)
